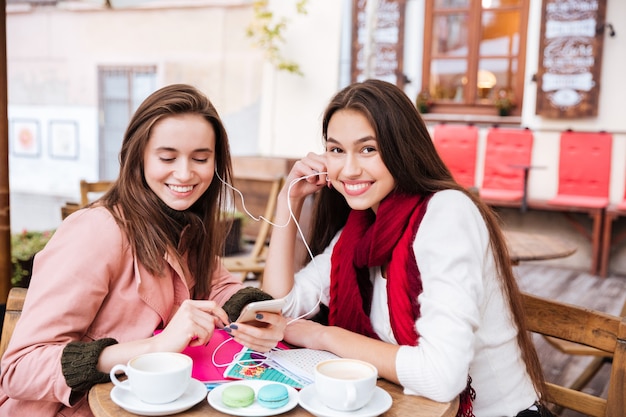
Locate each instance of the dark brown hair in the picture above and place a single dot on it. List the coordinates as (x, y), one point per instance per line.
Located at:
(152, 228)
(409, 154)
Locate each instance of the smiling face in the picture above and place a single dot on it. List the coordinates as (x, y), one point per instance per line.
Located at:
(355, 166)
(179, 159)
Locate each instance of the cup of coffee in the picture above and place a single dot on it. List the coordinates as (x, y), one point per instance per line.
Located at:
(155, 378)
(345, 384)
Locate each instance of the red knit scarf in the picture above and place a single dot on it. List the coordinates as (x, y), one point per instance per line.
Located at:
(370, 240)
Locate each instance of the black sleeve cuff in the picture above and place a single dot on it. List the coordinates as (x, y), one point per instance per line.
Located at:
(79, 364)
(244, 296)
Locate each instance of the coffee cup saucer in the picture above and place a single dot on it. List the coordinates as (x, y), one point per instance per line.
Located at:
(380, 402)
(195, 393)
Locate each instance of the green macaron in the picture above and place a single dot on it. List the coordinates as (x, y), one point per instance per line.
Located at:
(273, 396)
(237, 396)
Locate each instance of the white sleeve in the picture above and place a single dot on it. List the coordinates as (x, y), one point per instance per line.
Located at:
(311, 285)
(452, 251)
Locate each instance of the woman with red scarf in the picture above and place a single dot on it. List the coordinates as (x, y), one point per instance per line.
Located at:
(413, 268)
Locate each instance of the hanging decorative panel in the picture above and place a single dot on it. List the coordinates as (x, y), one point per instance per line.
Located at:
(570, 58)
(378, 40)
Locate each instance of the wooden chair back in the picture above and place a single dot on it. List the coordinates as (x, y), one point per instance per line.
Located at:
(507, 160)
(587, 327)
(457, 147)
(88, 188)
(599, 357)
(259, 198)
(87, 191)
(15, 303)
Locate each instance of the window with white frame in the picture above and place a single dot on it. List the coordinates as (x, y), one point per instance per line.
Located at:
(120, 91)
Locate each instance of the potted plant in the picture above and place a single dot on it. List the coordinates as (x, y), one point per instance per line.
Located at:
(504, 102)
(424, 101)
(24, 246)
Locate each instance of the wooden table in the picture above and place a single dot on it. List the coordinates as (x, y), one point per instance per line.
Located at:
(403, 405)
(530, 246)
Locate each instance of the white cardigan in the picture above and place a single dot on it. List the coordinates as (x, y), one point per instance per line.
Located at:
(465, 324)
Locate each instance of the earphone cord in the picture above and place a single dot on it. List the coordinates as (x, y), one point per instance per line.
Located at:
(310, 253)
(291, 215)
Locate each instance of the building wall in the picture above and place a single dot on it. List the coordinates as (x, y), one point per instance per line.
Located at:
(292, 105)
(298, 106)
(53, 55)
(610, 118)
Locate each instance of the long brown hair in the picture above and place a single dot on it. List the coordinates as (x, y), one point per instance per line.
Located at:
(409, 154)
(152, 228)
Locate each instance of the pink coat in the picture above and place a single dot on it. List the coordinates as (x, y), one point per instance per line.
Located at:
(86, 285)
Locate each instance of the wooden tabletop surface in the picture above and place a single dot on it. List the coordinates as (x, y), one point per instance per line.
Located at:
(403, 405)
(531, 246)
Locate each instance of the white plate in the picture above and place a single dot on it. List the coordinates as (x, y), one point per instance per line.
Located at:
(255, 409)
(381, 402)
(129, 402)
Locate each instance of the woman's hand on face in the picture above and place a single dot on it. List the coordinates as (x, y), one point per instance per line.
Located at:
(260, 338)
(308, 167)
(192, 325)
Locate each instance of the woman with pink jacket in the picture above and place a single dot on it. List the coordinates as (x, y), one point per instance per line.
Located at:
(144, 257)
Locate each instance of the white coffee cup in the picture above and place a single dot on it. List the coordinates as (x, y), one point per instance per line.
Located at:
(345, 384)
(155, 378)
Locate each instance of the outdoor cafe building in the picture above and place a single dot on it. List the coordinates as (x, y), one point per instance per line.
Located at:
(77, 69)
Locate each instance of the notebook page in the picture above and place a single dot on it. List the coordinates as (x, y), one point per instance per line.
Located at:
(301, 362)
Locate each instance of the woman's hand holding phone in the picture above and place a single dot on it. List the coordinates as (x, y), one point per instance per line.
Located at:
(249, 312)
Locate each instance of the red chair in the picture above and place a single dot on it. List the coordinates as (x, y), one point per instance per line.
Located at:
(457, 147)
(612, 212)
(584, 169)
(584, 175)
(507, 162)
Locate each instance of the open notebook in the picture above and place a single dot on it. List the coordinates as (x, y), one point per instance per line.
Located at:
(223, 359)
(300, 362)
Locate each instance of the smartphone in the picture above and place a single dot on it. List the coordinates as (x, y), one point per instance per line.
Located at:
(248, 313)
